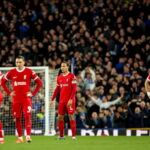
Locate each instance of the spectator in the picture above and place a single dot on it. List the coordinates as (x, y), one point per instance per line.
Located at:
(82, 121)
(94, 122)
(104, 104)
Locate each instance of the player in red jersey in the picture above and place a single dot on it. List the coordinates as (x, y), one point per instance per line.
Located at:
(66, 87)
(1, 125)
(21, 95)
(147, 85)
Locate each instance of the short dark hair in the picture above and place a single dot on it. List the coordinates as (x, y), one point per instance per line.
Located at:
(20, 57)
(65, 62)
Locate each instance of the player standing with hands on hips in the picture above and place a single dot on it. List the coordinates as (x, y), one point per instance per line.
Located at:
(21, 95)
(1, 125)
(147, 86)
(66, 87)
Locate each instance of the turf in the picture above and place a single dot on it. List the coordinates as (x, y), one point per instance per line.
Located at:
(82, 143)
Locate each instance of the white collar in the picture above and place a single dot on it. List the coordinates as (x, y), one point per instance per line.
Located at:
(20, 70)
(66, 74)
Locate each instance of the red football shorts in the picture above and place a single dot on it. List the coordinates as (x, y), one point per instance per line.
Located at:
(18, 108)
(63, 108)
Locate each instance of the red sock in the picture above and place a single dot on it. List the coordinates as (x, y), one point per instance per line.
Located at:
(19, 126)
(28, 125)
(61, 127)
(1, 128)
(73, 127)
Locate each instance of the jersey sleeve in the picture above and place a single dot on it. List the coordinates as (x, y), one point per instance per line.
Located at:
(38, 81)
(148, 78)
(74, 86)
(34, 76)
(73, 80)
(57, 90)
(4, 80)
(7, 76)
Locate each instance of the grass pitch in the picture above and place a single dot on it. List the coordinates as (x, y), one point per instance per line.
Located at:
(82, 143)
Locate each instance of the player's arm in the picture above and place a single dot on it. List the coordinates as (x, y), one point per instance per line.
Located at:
(147, 86)
(74, 89)
(56, 91)
(4, 81)
(38, 82)
(1, 97)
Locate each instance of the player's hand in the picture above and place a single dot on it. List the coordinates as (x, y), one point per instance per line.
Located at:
(29, 94)
(51, 104)
(69, 103)
(12, 94)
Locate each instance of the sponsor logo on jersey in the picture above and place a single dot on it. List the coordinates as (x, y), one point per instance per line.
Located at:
(63, 85)
(19, 83)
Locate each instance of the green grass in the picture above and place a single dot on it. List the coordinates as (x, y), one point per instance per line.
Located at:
(82, 143)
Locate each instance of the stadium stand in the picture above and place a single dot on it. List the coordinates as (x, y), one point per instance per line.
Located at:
(109, 40)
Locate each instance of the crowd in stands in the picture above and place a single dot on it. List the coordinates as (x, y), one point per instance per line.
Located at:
(109, 40)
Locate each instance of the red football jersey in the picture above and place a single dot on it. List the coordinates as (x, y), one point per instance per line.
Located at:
(0, 78)
(1, 94)
(20, 82)
(66, 85)
(148, 78)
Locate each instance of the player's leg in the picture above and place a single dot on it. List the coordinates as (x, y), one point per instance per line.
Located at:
(19, 129)
(71, 111)
(16, 112)
(61, 125)
(28, 123)
(1, 134)
(72, 125)
(61, 112)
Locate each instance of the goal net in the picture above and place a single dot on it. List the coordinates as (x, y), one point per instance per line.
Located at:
(43, 117)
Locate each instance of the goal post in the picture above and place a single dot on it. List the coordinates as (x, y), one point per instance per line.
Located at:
(44, 118)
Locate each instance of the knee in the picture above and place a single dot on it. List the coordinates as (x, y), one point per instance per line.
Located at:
(18, 119)
(27, 118)
(71, 116)
(60, 117)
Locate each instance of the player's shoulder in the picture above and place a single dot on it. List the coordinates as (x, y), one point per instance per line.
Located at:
(12, 71)
(29, 70)
(72, 75)
(59, 77)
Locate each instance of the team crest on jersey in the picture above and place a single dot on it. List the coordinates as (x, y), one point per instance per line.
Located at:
(25, 76)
